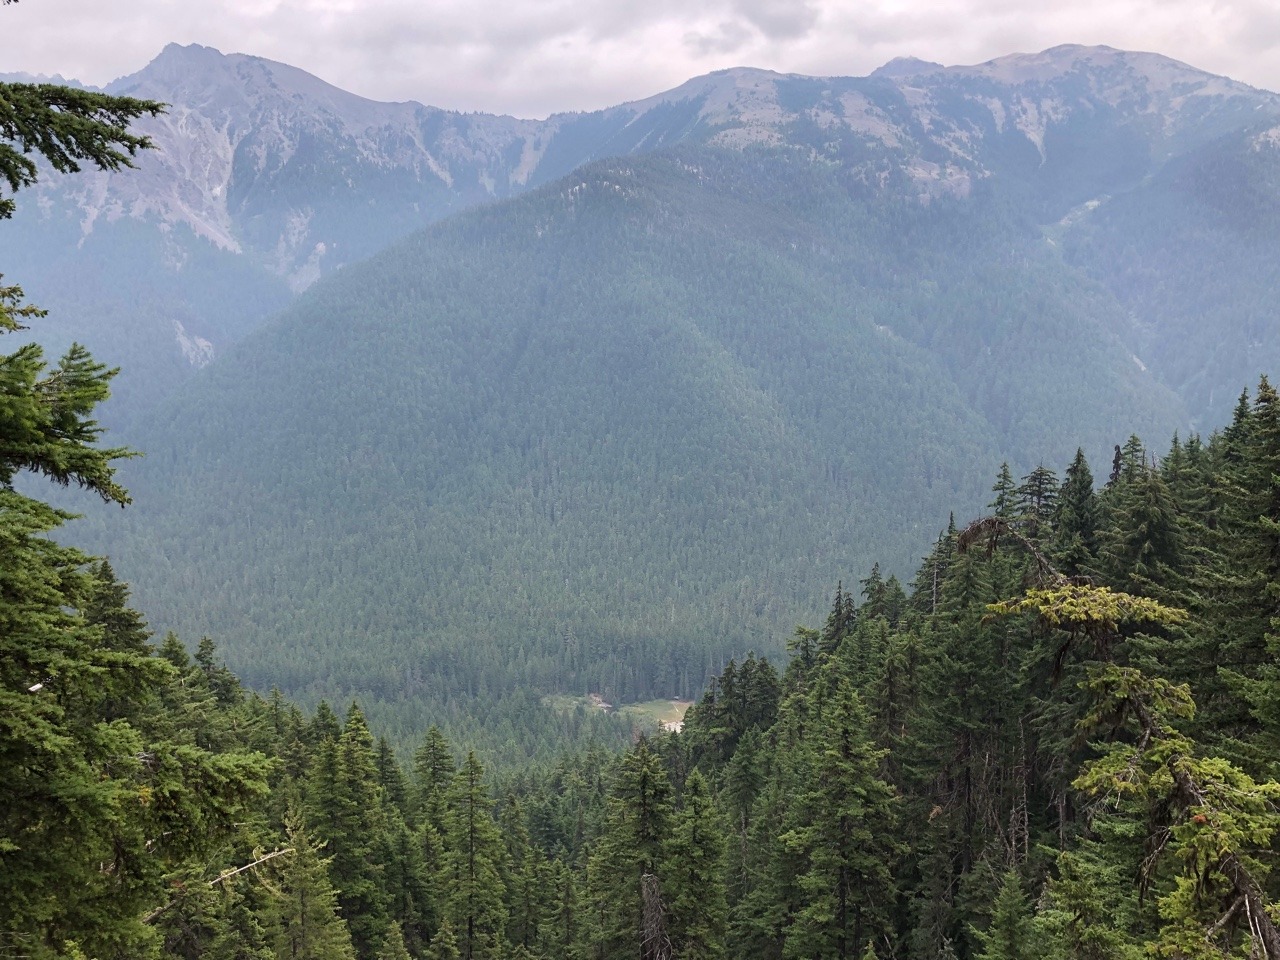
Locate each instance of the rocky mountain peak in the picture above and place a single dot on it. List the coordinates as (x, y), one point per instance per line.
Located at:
(906, 67)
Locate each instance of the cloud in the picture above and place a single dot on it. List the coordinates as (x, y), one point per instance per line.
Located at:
(533, 57)
(727, 37)
(779, 19)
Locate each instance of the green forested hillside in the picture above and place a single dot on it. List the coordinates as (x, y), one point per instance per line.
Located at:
(263, 178)
(151, 323)
(1058, 742)
(604, 436)
(1191, 254)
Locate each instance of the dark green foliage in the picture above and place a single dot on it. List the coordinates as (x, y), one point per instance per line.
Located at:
(444, 945)
(304, 912)
(694, 888)
(631, 849)
(348, 816)
(1141, 546)
(474, 891)
(919, 783)
(1037, 500)
(433, 770)
(592, 391)
(839, 829)
(47, 428)
(394, 948)
(1076, 520)
(1011, 934)
(67, 127)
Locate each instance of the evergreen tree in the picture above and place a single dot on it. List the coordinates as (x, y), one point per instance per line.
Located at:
(238, 932)
(1011, 934)
(304, 916)
(95, 771)
(1089, 907)
(391, 781)
(840, 828)
(1005, 503)
(838, 621)
(433, 770)
(410, 884)
(444, 945)
(562, 928)
(393, 948)
(1245, 610)
(1142, 543)
(324, 725)
(631, 849)
(1075, 519)
(694, 887)
(348, 815)
(474, 898)
(764, 873)
(1036, 501)
(523, 877)
(875, 601)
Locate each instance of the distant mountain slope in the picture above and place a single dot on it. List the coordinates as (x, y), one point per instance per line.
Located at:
(598, 432)
(1194, 255)
(264, 177)
(604, 435)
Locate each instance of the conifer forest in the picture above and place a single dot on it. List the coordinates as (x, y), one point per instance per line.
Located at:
(1055, 736)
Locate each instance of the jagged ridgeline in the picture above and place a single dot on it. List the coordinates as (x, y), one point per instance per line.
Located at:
(264, 178)
(605, 435)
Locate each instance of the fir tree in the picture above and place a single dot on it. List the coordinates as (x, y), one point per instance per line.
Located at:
(474, 898)
(348, 814)
(1010, 935)
(444, 945)
(393, 947)
(694, 887)
(840, 829)
(631, 849)
(304, 916)
(433, 770)
(238, 933)
(1142, 543)
(1004, 504)
(1036, 501)
(1075, 519)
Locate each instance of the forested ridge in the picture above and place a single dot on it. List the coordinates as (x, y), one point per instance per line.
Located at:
(1059, 740)
(619, 426)
(604, 436)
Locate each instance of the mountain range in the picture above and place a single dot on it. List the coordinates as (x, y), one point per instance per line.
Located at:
(439, 405)
(264, 178)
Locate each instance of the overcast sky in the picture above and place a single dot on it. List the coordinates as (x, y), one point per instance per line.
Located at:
(533, 57)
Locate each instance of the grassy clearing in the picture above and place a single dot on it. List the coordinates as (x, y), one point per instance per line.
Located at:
(651, 713)
(666, 712)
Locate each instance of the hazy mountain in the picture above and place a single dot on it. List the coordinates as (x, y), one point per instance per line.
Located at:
(1193, 254)
(608, 428)
(265, 177)
(607, 434)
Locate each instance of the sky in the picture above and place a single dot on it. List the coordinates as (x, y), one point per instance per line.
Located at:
(533, 57)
